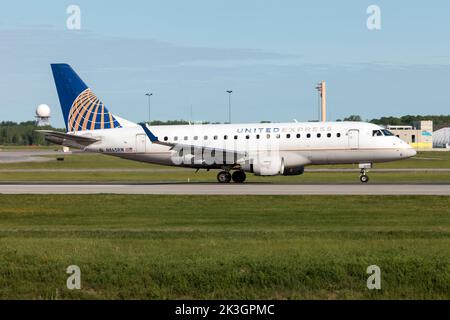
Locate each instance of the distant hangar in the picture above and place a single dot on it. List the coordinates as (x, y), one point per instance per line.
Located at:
(441, 138)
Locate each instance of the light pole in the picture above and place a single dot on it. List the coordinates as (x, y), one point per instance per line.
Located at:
(229, 105)
(149, 94)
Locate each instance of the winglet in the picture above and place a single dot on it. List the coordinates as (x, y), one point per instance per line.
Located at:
(149, 134)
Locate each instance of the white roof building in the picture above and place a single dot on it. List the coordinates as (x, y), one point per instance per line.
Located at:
(441, 138)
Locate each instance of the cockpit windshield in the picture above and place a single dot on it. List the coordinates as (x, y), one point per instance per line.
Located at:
(376, 133)
(387, 133)
(383, 132)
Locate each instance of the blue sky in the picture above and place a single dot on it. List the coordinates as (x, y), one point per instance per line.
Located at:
(270, 53)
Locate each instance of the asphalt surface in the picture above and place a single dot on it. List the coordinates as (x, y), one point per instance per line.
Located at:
(230, 189)
(17, 156)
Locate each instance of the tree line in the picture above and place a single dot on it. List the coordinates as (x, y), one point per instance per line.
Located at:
(23, 133)
(440, 121)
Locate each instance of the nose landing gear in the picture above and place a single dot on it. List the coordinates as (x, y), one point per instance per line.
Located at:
(364, 178)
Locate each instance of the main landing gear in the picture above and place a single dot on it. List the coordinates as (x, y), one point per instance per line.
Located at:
(238, 176)
(224, 177)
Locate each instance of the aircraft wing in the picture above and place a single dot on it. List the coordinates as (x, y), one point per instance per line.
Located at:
(180, 146)
(67, 140)
(229, 154)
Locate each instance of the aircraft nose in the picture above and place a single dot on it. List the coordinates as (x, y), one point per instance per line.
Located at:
(409, 152)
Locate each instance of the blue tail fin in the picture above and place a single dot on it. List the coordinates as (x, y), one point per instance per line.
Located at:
(81, 109)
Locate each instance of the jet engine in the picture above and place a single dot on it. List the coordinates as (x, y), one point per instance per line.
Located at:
(272, 165)
(265, 166)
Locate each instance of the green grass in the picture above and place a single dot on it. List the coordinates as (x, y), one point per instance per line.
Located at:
(28, 148)
(210, 177)
(424, 160)
(81, 161)
(93, 161)
(224, 247)
(157, 173)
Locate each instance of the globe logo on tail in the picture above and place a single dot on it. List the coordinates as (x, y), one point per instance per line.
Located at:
(89, 113)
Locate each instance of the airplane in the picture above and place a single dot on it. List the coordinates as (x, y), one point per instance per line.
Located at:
(264, 149)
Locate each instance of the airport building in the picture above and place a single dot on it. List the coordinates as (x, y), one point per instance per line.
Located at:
(441, 138)
(419, 135)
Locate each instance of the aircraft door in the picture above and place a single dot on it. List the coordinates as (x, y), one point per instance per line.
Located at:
(141, 141)
(353, 138)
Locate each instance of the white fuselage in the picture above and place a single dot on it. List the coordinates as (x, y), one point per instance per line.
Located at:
(296, 144)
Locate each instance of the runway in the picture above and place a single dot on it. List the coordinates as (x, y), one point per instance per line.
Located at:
(230, 189)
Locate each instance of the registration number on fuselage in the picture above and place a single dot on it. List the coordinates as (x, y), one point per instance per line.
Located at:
(118, 150)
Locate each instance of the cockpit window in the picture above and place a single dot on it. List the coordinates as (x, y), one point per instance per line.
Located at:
(376, 133)
(387, 133)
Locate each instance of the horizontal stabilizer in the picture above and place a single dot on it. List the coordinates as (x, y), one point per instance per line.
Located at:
(67, 140)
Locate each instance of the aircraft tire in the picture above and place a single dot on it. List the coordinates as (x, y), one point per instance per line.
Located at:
(224, 177)
(239, 176)
(364, 178)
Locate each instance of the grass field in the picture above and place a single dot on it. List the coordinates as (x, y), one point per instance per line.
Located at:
(283, 247)
(210, 177)
(89, 160)
(155, 173)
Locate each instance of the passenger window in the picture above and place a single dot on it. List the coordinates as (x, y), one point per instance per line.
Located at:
(215, 137)
(175, 138)
(185, 138)
(205, 137)
(247, 137)
(195, 137)
(319, 135)
(328, 135)
(225, 137)
(288, 136)
(257, 136)
(235, 137)
(278, 136)
(268, 136)
(298, 135)
(308, 135)
(166, 138)
(338, 135)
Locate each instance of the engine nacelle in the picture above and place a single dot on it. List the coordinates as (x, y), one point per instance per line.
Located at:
(265, 166)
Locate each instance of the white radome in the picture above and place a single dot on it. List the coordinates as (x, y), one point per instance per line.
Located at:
(43, 111)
